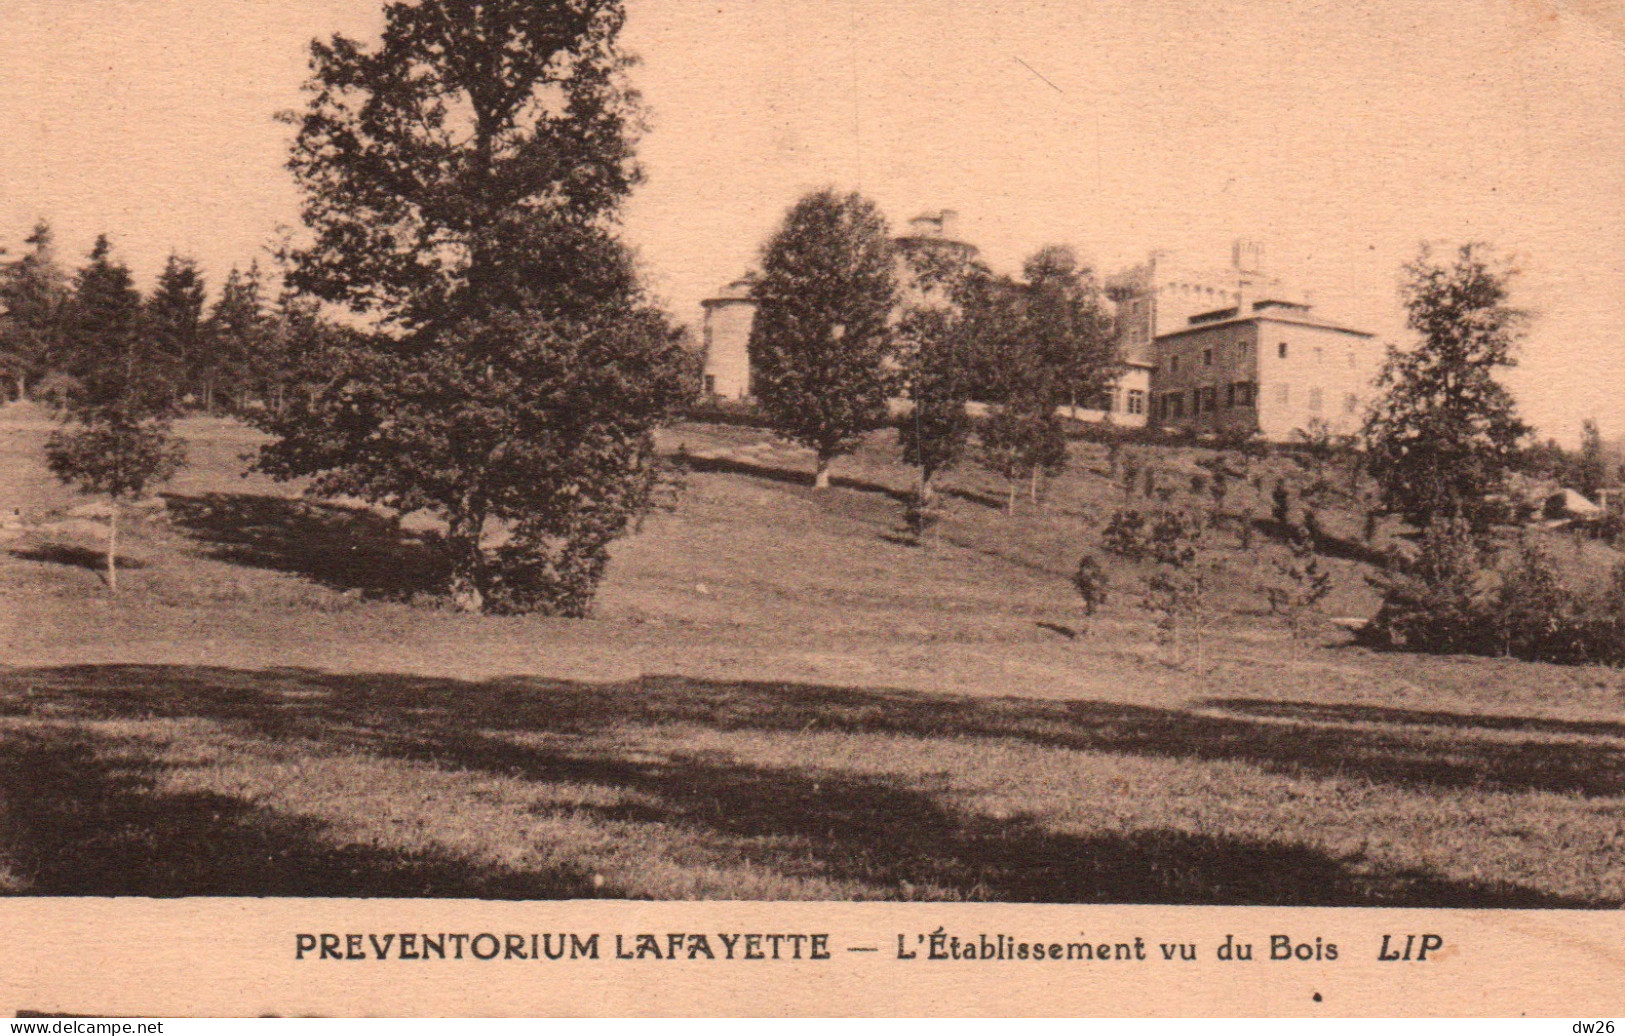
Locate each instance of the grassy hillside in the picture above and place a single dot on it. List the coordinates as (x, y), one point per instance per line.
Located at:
(779, 696)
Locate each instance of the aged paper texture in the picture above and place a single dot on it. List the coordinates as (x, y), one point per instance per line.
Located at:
(877, 507)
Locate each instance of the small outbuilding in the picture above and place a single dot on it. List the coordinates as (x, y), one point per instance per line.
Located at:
(1569, 505)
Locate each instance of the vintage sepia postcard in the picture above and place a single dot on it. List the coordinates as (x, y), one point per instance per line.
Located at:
(774, 507)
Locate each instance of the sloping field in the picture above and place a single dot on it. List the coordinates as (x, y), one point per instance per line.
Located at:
(779, 697)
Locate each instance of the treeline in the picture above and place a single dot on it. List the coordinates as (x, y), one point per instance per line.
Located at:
(235, 355)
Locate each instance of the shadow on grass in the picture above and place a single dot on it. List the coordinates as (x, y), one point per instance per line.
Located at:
(74, 557)
(1315, 712)
(787, 476)
(886, 833)
(345, 548)
(82, 817)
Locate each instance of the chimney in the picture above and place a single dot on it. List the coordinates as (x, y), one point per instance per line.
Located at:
(1247, 256)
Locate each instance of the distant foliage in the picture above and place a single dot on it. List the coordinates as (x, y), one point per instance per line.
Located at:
(1449, 599)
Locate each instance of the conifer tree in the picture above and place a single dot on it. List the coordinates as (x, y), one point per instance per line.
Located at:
(174, 321)
(238, 333)
(34, 294)
(118, 439)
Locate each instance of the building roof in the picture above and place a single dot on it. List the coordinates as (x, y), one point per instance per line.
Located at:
(737, 291)
(1294, 316)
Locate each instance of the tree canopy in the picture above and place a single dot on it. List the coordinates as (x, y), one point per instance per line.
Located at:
(461, 181)
(1444, 431)
(821, 344)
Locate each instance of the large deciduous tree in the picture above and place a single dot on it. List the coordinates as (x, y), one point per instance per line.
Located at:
(461, 181)
(118, 439)
(1068, 325)
(821, 344)
(1444, 431)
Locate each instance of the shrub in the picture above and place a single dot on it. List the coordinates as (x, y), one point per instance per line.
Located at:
(1302, 583)
(1125, 534)
(1281, 503)
(1091, 582)
(1433, 602)
(1531, 607)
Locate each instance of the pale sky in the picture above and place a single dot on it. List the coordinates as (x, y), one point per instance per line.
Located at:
(1339, 134)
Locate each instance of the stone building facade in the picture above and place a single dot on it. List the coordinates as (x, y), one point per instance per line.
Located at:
(1236, 350)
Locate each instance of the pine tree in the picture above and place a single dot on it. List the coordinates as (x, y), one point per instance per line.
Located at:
(821, 344)
(34, 295)
(1591, 472)
(238, 333)
(118, 439)
(174, 321)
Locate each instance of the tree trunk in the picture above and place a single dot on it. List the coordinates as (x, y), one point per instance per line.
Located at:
(112, 546)
(928, 487)
(821, 475)
(1032, 487)
(467, 562)
(1010, 500)
(22, 387)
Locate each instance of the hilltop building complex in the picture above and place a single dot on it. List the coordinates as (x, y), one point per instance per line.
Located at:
(1227, 350)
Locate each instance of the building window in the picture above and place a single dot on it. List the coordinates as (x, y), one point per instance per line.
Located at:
(1230, 396)
(1173, 364)
(1210, 399)
(1314, 401)
(1207, 357)
(1241, 350)
(710, 384)
(1243, 392)
(1176, 404)
(1283, 394)
(1281, 351)
(1136, 401)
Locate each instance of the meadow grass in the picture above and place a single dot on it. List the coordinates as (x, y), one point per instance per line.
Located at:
(778, 697)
